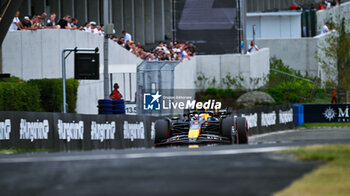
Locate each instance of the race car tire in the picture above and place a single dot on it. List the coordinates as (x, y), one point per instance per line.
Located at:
(186, 112)
(227, 128)
(162, 130)
(242, 130)
(229, 110)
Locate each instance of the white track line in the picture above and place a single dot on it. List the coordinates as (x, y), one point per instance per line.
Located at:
(274, 133)
(138, 155)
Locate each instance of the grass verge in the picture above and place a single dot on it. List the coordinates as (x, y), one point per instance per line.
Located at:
(331, 124)
(20, 150)
(332, 178)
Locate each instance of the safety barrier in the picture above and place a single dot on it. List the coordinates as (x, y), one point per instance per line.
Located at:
(84, 132)
(326, 113)
(298, 114)
(267, 119)
(74, 131)
(321, 113)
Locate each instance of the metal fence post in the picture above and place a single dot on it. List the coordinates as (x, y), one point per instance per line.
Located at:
(64, 80)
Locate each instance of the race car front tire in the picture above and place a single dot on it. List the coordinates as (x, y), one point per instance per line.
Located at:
(242, 130)
(227, 128)
(162, 130)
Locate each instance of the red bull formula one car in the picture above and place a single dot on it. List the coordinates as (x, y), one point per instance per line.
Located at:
(198, 127)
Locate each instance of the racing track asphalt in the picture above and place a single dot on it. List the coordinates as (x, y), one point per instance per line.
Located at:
(215, 170)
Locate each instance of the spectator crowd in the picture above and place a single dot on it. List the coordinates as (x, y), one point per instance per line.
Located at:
(320, 6)
(172, 51)
(164, 51)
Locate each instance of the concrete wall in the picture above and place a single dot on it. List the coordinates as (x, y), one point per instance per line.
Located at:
(89, 92)
(37, 54)
(255, 65)
(274, 24)
(299, 54)
(328, 72)
(185, 74)
(336, 13)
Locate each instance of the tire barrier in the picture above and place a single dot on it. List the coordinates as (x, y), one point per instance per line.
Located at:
(118, 106)
(107, 106)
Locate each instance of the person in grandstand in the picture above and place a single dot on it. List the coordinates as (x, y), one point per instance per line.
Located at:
(325, 28)
(253, 47)
(127, 36)
(27, 24)
(16, 23)
(51, 22)
(192, 49)
(93, 28)
(65, 22)
(36, 23)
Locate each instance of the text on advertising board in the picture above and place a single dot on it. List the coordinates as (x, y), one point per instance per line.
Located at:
(5, 129)
(33, 130)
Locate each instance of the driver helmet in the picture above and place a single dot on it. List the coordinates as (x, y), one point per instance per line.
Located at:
(194, 116)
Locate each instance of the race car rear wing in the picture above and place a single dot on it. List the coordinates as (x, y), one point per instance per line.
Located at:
(221, 112)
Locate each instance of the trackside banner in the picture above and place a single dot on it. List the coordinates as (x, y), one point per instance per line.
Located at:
(267, 119)
(74, 131)
(326, 113)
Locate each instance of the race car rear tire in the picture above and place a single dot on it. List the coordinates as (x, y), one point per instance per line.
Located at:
(162, 130)
(186, 113)
(229, 110)
(227, 128)
(242, 130)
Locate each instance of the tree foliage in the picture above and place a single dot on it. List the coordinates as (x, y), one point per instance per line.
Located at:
(286, 85)
(336, 55)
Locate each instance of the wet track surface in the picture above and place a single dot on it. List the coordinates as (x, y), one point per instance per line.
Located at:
(216, 170)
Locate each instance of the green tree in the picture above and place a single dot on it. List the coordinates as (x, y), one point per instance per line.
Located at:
(336, 56)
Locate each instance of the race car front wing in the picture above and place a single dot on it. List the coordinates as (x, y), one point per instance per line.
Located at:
(201, 139)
